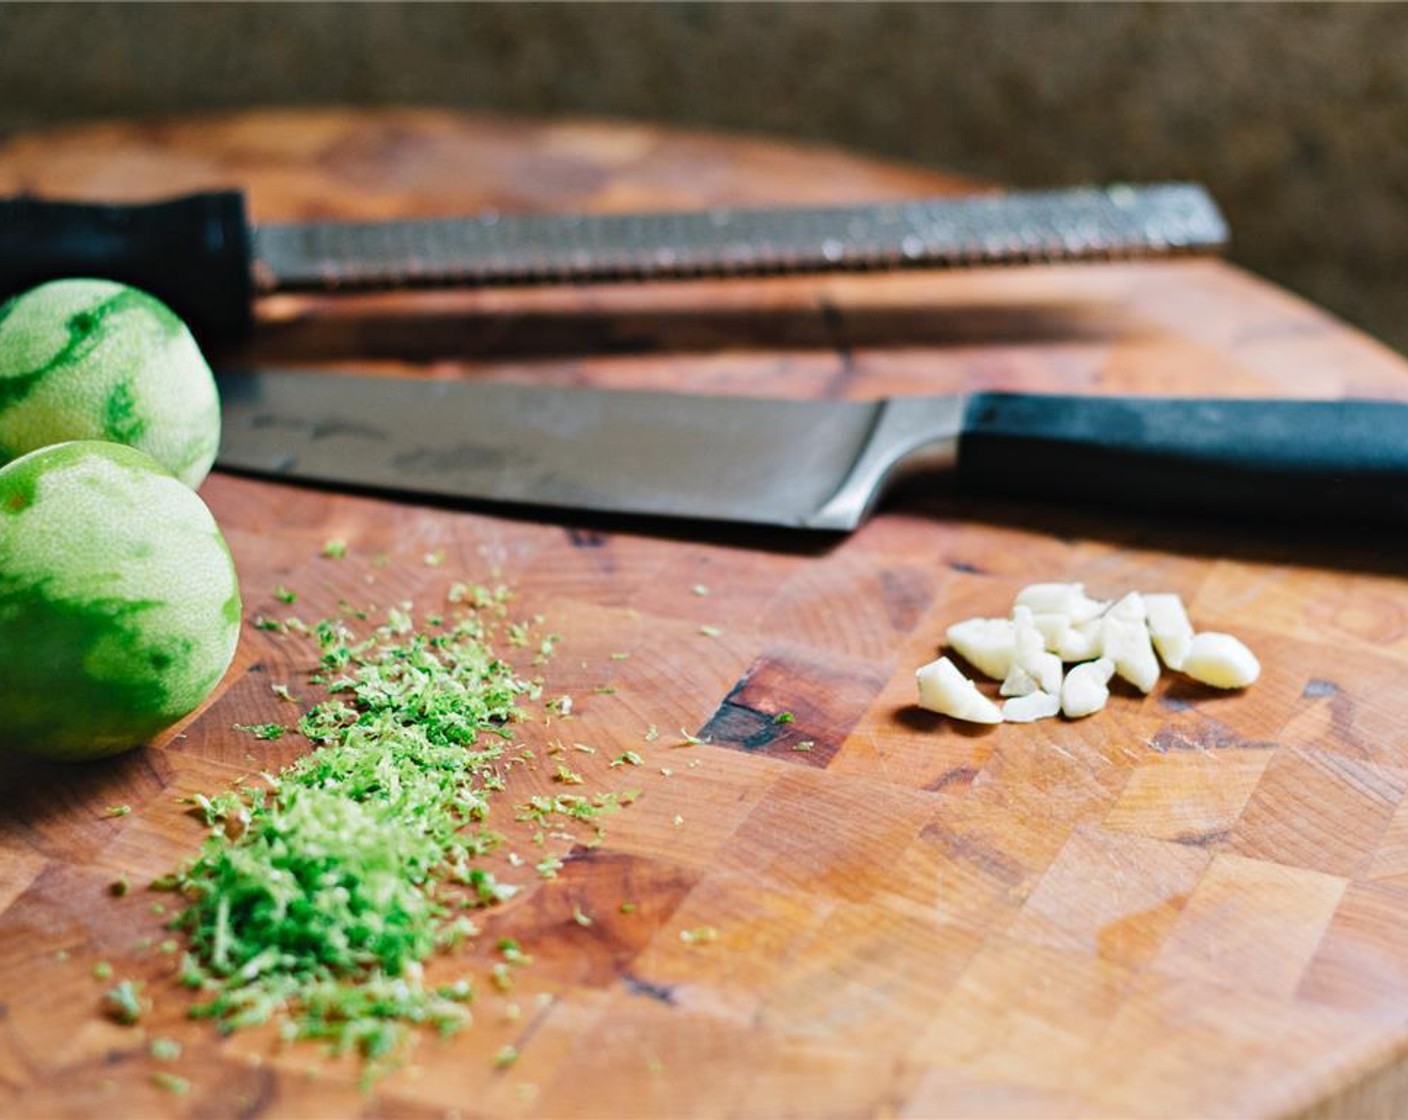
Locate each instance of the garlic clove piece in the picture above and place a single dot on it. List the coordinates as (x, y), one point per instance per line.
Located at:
(1126, 642)
(1169, 628)
(943, 689)
(1019, 682)
(1067, 599)
(1030, 658)
(1086, 688)
(988, 644)
(1053, 627)
(1030, 708)
(1048, 670)
(1082, 641)
(1221, 661)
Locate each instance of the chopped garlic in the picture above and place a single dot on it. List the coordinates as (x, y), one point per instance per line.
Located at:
(1169, 627)
(1019, 682)
(943, 689)
(1057, 623)
(1131, 609)
(1068, 599)
(1053, 628)
(1221, 661)
(1027, 709)
(1082, 642)
(1085, 689)
(1027, 640)
(1127, 643)
(1048, 670)
(1032, 667)
(988, 644)
(1068, 640)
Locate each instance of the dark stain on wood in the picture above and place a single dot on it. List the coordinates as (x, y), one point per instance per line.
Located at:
(795, 705)
(261, 1099)
(1343, 712)
(1203, 839)
(661, 993)
(969, 849)
(739, 726)
(960, 776)
(906, 595)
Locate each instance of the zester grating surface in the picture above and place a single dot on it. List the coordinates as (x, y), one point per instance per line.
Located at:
(1015, 228)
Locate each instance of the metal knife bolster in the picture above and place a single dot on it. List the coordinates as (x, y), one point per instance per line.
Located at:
(1078, 224)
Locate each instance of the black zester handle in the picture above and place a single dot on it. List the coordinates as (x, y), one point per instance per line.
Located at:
(193, 253)
(1296, 460)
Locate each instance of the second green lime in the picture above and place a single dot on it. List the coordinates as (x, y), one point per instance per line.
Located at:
(119, 607)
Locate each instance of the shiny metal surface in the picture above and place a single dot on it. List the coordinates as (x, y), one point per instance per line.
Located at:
(1010, 228)
(803, 464)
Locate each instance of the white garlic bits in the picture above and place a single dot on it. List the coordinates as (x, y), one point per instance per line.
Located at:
(1033, 667)
(1029, 708)
(1081, 641)
(943, 689)
(1169, 628)
(988, 644)
(1068, 619)
(1060, 648)
(1221, 661)
(1127, 642)
(1068, 599)
(1086, 688)
(1019, 682)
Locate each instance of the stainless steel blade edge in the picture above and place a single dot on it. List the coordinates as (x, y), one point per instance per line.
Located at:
(816, 464)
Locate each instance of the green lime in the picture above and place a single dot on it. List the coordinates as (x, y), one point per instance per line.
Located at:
(119, 609)
(91, 359)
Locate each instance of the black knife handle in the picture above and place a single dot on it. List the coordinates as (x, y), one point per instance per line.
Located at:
(1307, 460)
(193, 253)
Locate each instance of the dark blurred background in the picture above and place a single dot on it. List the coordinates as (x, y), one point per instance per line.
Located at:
(1296, 115)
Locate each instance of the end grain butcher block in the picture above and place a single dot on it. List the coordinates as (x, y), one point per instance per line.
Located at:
(1191, 904)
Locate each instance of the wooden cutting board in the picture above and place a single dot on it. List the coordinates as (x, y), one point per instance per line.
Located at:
(1191, 904)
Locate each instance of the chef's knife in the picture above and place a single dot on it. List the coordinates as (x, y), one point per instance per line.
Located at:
(812, 464)
(202, 256)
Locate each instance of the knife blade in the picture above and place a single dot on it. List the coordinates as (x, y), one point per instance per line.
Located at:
(817, 465)
(202, 256)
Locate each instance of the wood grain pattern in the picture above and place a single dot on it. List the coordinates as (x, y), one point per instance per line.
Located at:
(1192, 904)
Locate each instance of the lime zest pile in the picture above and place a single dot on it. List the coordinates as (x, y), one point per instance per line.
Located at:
(319, 895)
